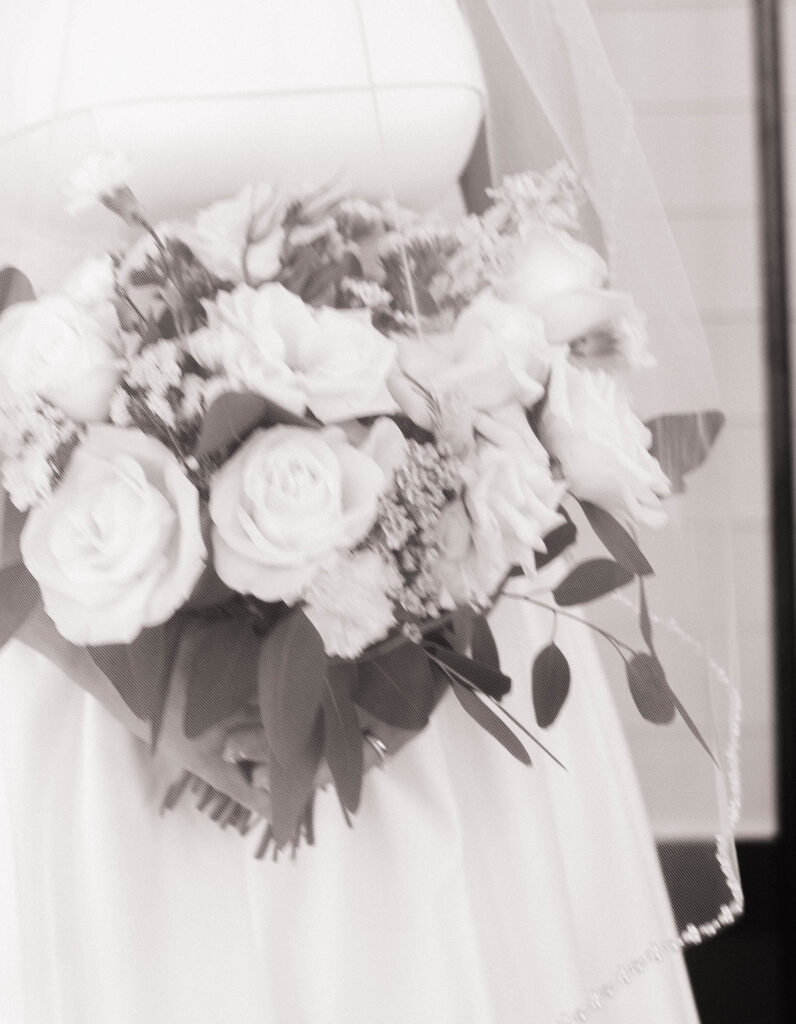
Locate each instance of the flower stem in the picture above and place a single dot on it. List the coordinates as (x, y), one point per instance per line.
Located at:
(615, 642)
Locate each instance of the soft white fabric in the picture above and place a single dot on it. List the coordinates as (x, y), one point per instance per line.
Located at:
(472, 890)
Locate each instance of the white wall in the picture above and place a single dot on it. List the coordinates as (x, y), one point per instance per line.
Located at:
(687, 68)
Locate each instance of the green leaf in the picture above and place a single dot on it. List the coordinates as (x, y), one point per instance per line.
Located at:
(233, 416)
(293, 786)
(141, 671)
(644, 620)
(12, 522)
(591, 580)
(291, 682)
(14, 287)
(462, 621)
(650, 690)
(485, 678)
(19, 595)
(487, 719)
(694, 730)
(398, 687)
(557, 541)
(343, 733)
(616, 539)
(550, 678)
(682, 442)
(222, 676)
(484, 648)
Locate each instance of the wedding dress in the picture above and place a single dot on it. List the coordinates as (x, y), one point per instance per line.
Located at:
(472, 890)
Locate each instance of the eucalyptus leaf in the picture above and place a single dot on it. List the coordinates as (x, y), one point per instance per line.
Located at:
(485, 678)
(682, 442)
(591, 580)
(487, 719)
(291, 682)
(462, 621)
(222, 676)
(293, 786)
(557, 541)
(233, 416)
(14, 287)
(140, 671)
(12, 523)
(484, 648)
(616, 539)
(398, 687)
(650, 690)
(343, 734)
(644, 620)
(550, 679)
(19, 595)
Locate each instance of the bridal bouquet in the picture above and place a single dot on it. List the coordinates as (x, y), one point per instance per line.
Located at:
(272, 467)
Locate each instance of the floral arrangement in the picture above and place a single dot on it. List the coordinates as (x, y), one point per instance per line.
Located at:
(271, 468)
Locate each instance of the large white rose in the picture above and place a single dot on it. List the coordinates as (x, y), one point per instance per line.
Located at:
(270, 341)
(602, 446)
(286, 504)
(343, 366)
(118, 546)
(63, 351)
(247, 340)
(495, 353)
(563, 281)
(221, 232)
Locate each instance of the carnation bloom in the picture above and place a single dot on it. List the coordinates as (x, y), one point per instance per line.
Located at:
(350, 603)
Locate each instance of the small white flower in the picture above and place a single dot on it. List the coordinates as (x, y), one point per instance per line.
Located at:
(157, 367)
(350, 603)
(119, 413)
(249, 224)
(98, 176)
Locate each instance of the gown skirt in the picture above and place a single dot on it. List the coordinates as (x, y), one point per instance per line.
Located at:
(471, 890)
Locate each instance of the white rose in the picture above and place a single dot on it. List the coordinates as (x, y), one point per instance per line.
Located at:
(62, 351)
(118, 547)
(350, 603)
(496, 353)
(248, 337)
(602, 446)
(562, 280)
(343, 366)
(509, 504)
(286, 504)
(510, 494)
(221, 232)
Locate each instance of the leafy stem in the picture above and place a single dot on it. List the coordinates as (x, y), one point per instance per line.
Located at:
(452, 674)
(618, 645)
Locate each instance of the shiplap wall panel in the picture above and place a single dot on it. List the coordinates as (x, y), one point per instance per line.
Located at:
(687, 67)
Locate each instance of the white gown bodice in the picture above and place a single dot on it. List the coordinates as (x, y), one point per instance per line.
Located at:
(204, 97)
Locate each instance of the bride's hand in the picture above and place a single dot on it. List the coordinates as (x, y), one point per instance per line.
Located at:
(246, 747)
